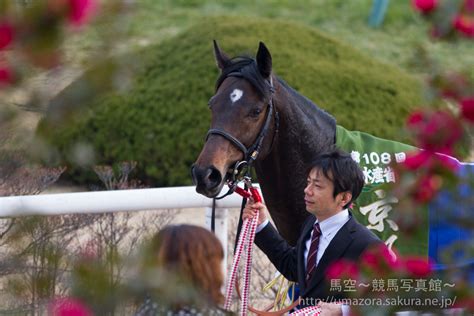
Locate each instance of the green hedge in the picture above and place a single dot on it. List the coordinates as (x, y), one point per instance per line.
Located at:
(162, 119)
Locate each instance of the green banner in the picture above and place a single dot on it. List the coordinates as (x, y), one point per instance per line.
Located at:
(374, 206)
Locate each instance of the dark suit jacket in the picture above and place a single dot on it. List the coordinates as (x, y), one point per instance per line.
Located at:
(348, 243)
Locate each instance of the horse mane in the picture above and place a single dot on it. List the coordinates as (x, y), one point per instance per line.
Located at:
(247, 69)
(308, 106)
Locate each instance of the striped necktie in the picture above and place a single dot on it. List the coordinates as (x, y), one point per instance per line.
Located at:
(313, 252)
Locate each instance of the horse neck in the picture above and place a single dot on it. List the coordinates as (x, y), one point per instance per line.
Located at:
(304, 131)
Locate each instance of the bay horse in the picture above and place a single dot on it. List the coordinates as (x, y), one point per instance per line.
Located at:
(257, 116)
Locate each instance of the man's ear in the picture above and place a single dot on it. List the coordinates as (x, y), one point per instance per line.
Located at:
(222, 60)
(345, 198)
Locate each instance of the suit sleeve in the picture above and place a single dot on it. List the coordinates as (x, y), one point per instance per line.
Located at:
(364, 240)
(281, 254)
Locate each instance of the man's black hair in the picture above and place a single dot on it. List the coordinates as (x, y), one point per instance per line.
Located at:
(342, 170)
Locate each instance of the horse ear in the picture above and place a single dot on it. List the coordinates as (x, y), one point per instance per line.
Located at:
(264, 60)
(221, 58)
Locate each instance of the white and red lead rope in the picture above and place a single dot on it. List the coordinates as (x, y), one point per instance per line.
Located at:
(246, 239)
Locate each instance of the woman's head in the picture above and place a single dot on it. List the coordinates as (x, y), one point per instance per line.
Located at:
(195, 255)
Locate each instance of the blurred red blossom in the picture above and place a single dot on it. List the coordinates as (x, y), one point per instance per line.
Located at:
(343, 269)
(436, 131)
(80, 11)
(426, 188)
(465, 25)
(417, 160)
(417, 266)
(424, 6)
(6, 34)
(69, 307)
(430, 160)
(448, 18)
(469, 6)
(467, 109)
(380, 259)
(6, 76)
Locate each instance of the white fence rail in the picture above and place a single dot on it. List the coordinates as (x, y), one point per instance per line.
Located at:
(110, 201)
(123, 200)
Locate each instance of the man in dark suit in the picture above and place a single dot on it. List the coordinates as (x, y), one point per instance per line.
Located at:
(330, 232)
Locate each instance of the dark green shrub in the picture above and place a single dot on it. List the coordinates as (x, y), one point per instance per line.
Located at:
(162, 119)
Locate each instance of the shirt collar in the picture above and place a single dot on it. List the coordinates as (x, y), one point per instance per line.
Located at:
(332, 224)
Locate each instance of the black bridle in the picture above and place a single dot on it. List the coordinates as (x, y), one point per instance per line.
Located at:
(242, 168)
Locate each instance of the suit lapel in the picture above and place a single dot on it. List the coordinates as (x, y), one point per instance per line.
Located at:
(334, 251)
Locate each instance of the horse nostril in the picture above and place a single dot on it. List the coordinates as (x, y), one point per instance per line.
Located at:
(214, 178)
(207, 178)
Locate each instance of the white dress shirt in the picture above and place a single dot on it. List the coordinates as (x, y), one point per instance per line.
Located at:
(329, 228)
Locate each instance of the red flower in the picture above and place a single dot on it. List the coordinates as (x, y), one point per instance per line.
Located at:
(380, 258)
(343, 269)
(80, 11)
(469, 6)
(424, 6)
(436, 131)
(446, 162)
(426, 188)
(389, 257)
(428, 160)
(418, 266)
(415, 118)
(69, 307)
(467, 109)
(6, 34)
(6, 76)
(465, 25)
(370, 259)
(415, 160)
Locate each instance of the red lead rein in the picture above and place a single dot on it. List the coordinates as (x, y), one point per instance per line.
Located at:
(246, 238)
(253, 191)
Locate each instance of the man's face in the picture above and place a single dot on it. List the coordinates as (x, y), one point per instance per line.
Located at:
(318, 196)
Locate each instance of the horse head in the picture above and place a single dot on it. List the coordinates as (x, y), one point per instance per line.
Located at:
(241, 113)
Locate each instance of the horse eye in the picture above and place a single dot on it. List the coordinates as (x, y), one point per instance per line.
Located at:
(255, 112)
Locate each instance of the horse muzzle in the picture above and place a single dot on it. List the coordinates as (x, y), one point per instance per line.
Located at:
(208, 180)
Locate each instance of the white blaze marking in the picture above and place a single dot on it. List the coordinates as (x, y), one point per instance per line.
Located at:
(236, 95)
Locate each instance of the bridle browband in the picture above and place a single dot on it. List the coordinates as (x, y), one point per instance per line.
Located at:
(251, 153)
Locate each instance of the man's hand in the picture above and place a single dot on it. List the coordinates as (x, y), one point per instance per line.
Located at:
(251, 210)
(330, 309)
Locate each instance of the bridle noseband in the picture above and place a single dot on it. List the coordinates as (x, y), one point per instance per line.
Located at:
(242, 167)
